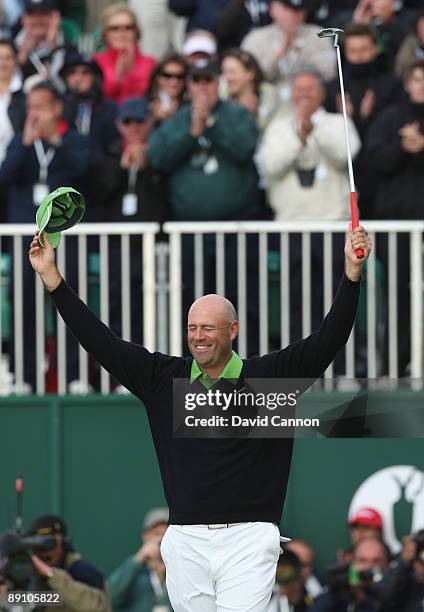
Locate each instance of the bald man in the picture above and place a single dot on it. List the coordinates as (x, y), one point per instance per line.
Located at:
(225, 495)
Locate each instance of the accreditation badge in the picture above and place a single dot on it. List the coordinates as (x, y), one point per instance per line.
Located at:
(129, 204)
(211, 165)
(39, 192)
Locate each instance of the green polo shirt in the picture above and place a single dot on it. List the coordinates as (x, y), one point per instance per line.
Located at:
(231, 371)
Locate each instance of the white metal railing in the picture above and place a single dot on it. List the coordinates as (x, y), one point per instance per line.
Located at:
(162, 282)
(16, 234)
(414, 229)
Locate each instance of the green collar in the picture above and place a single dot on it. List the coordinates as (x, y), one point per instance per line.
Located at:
(231, 371)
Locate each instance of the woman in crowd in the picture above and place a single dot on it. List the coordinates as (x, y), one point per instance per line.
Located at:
(126, 71)
(12, 106)
(243, 81)
(412, 47)
(167, 89)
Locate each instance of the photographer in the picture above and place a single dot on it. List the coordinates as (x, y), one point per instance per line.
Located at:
(404, 583)
(354, 587)
(289, 593)
(138, 584)
(61, 569)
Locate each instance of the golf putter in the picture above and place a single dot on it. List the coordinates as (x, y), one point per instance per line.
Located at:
(329, 33)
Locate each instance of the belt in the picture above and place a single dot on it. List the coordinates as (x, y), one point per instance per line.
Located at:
(216, 525)
(222, 525)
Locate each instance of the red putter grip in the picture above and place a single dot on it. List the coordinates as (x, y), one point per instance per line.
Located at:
(355, 220)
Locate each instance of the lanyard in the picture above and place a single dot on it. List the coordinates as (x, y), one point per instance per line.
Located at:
(44, 159)
(83, 120)
(156, 585)
(253, 7)
(132, 178)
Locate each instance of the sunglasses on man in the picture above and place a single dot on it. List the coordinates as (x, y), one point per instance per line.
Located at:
(203, 78)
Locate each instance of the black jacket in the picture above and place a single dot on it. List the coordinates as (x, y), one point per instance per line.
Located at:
(212, 480)
(111, 184)
(20, 170)
(401, 174)
(388, 90)
(102, 128)
(230, 20)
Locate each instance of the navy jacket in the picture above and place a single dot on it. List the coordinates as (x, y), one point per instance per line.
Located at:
(20, 170)
(207, 15)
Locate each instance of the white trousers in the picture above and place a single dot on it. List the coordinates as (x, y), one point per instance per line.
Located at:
(231, 569)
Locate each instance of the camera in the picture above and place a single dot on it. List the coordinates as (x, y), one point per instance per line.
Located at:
(16, 568)
(342, 577)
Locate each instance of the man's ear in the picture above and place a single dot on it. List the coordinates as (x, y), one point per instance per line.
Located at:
(234, 329)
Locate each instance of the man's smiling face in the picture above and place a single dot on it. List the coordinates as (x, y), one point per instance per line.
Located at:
(211, 329)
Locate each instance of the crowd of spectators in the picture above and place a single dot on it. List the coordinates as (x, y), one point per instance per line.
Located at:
(240, 120)
(367, 577)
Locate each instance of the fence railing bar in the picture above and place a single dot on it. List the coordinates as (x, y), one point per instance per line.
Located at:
(83, 294)
(392, 307)
(285, 289)
(306, 284)
(104, 301)
(263, 293)
(242, 297)
(61, 329)
(198, 266)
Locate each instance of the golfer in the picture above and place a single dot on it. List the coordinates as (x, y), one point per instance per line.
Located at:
(225, 496)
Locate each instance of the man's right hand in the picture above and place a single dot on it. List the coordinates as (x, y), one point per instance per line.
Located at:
(149, 551)
(305, 126)
(31, 131)
(200, 111)
(43, 262)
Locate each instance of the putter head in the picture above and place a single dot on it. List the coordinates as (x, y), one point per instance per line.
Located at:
(328, 32)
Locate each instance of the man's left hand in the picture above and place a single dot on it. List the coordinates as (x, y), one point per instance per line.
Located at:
(41, 568)
(356, 239)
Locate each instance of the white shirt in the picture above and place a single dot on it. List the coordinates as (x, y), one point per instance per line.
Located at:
(6, 129)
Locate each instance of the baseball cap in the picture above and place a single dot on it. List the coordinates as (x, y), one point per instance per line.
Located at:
(58, 211)
(42, 6)
(136, 108)
(204, 67)
(48, 524)
(200, 42)
(367, 517)
(75, 58)
(154, 517)
(297, 5)
(288, 568)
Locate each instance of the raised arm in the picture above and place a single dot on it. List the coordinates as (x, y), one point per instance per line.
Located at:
(131, 364)
(310, 357)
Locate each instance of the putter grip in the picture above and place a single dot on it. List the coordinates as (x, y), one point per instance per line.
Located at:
(355, 220)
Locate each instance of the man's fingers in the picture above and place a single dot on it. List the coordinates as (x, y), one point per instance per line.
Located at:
(47, 242)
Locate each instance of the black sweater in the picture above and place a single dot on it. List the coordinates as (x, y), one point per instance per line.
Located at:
(212, 480)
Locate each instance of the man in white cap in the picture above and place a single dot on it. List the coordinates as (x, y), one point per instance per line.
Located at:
(200, 45)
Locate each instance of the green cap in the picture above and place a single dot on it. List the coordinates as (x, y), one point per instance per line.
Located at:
(61, 209)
